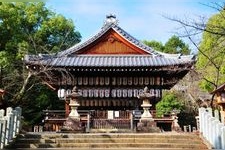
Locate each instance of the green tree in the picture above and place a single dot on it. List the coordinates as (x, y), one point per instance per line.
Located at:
(30, 28)
(211, 59)
(174, 45)
(210, 63)
(168, 103)
(155, 45)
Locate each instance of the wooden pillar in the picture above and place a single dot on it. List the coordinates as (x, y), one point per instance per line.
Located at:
(88, 122)
(67, 108)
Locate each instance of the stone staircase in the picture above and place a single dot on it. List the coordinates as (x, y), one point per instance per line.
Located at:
(106, 141)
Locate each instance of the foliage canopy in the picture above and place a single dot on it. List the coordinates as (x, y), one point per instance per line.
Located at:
(30, 28)
(174, 45)
(168, 103)
(211, 63)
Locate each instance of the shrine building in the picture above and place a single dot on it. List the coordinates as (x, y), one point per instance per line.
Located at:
(110, 70)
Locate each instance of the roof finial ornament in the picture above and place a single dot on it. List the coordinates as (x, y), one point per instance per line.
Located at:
(111, 19)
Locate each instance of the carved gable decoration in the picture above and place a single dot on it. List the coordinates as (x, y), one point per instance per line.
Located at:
(111, 43)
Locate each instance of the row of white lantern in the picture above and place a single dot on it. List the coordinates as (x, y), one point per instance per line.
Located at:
(117, 80)
(62, 93)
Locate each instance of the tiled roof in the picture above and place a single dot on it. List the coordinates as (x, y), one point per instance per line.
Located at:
(107, 61)
(72, 58)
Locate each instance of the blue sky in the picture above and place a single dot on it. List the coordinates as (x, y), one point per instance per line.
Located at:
(141, 18)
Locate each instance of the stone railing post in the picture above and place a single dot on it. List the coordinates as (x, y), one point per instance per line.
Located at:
(9, 113)
(15, 117)
(216, 114)
(203, 121)
(206, 127)
(19, 114)
(8, 125)
(222, 137)
(210, 111)
(213, 130)
(218, 143)
(2, 127)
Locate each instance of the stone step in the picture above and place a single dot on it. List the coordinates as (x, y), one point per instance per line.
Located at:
(168, 140)
(107, 135)
(112, 140)
(113, 145)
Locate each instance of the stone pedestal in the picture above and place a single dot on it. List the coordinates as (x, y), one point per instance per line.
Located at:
(146, 114)
(73, 113)
(147, 126)
(72, 125)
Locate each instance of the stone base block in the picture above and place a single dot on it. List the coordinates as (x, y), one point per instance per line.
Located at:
(72, 125)
(147, 126)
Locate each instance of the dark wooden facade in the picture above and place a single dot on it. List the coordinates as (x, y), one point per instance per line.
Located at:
(110, 70)
(220, 100)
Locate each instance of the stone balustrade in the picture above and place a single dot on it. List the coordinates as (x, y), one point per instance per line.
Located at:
(211, 127)
(10, 124)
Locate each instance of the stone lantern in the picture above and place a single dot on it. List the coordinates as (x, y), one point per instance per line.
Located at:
(146, 96)
(175, 126)
(73, 123)
(147, 123)
(74, 96)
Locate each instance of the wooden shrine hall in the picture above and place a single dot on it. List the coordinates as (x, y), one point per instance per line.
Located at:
(110, 71)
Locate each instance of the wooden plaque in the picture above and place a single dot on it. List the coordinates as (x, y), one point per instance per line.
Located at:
(102, 80)
(79, 80)
(85, 80)
(146, 81)
(129, 81)
(106, 80)
(113, 80)
(124, 80)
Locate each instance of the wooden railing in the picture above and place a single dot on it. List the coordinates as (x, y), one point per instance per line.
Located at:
(10, 124)
(211, 127)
